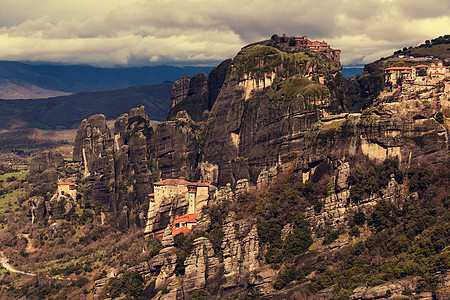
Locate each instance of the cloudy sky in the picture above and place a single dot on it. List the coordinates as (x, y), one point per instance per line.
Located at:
(205, 32)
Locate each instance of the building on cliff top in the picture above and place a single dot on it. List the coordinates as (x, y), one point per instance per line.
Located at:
(67, 188)
(419, 74)
(171, 188)
(303, 43)
(166, 192)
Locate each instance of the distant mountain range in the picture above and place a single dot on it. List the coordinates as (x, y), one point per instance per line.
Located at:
(29, 81)
(50, 96)
(67, 112)
(350, 72)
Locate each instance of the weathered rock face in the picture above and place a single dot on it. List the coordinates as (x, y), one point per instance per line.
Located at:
(197, 95)
(201, 266)
(37, 210)
(175, 145)
(240, 247)
(60, 205)
(265, 105)
(195, 101)
(338, 206)
(236, 267)
(118, 169)
(392, 288)
(253, 103)
(256, 108)
(94, 148)
(343, 173)
(46, 160)
(180, 89)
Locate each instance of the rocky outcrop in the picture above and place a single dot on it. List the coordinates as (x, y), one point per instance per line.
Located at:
(167, 240)
(175, 145)
(338, 206)
(390, 289)
(197, 95)
(118, 169)
(343, 172)
(202, 267)
(37, 209)
(94, 148)
(60, 205)
(194, 102)
(46, 160)
(240, 248)
(180, 89)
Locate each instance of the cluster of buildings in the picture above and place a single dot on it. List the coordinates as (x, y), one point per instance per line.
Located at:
(419, 74)
(195, 193)
(303, 43)
(318, 46)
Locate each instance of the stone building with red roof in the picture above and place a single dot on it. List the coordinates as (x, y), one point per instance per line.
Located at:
(184, 223)
(176, 192)
(418, 74)
(67, 188)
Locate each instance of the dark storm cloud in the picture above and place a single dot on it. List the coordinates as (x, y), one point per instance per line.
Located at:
(197, 31)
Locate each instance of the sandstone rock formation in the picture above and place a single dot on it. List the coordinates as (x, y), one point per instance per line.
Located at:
(392, 288)
(60, 205)
(202, 266)
(262, 113)
(46, 160)
(117, 168)
(37, 209)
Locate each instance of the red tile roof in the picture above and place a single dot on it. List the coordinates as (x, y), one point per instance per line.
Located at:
(179, 181)
(67, 183)
(176, 231)
(172, 181)
(398, 68)
(421, 66)
(189, 218)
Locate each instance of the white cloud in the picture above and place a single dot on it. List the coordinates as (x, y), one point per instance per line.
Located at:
(110, 32)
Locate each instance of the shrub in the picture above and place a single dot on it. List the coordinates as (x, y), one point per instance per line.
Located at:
(180, 267)
(359, 218)
(383, 216)
(354, 231)
(330, 237)
(154, 246)
(419, 179)
(288, 275)
(200, 295)
(130, 284)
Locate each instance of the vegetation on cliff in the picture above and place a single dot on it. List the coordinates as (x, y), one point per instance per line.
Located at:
(308, 197)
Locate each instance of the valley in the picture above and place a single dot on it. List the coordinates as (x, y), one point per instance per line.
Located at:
(272, 177)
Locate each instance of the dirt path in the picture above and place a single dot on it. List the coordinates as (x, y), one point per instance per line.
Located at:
(29, 248)
(7, 266)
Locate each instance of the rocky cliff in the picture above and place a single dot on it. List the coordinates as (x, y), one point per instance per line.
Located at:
(116, 164)
(273, 105)
(308, 192)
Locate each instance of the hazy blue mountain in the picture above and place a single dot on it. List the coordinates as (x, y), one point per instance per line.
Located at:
(67, 112)
(83, 78)
(352, 72)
